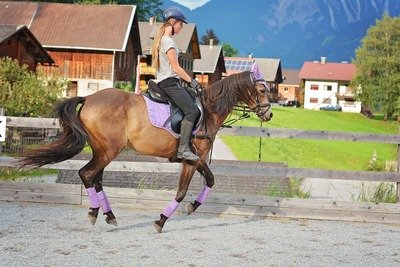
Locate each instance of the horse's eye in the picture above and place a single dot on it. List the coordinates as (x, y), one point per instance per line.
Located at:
(263, 91)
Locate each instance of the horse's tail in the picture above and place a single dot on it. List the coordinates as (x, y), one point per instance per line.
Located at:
(71, 142)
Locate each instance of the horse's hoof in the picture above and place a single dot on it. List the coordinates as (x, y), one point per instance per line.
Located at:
(92, 218)
(112, 221)
(189, 208)
(158, 227)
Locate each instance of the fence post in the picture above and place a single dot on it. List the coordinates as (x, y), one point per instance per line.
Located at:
(398, 171)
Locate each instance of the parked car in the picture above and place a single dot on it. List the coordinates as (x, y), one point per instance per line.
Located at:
(332, 107)
(292, 103)
(289, 103)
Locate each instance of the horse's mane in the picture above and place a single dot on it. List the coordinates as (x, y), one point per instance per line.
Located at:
(223, 95)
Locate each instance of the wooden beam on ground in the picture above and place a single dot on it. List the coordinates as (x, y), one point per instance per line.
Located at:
(40, 192)
(222, 204)
(219, 204)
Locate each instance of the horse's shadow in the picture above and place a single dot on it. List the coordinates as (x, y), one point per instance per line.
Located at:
(247, 212)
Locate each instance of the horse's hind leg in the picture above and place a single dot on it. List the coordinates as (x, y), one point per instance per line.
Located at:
(204, 170)
(102, 202)
(92, 176)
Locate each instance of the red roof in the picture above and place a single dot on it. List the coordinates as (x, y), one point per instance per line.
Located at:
(80, 26)
(327, 71)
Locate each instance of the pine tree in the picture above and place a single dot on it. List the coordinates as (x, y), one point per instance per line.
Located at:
(205, 39)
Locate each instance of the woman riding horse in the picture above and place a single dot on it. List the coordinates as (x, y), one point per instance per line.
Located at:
(165, 55)
(111, 120)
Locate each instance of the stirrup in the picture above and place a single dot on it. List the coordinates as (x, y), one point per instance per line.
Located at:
(188, 155)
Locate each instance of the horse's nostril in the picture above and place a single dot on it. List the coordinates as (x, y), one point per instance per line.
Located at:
(271, 115)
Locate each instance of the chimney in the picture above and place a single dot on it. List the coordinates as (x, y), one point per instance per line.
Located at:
(323, 60)
(250, 55)
(152, 20)
(211, 43)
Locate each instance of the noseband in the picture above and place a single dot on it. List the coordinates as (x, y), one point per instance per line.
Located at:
(258, 108)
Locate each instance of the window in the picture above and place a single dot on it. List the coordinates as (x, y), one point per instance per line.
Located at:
(328, 87)
(286, 89)
(313, 100)
(122, 60)
(93, 87)
(314, 87)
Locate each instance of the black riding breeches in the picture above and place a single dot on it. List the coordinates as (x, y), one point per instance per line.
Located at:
(181, 98)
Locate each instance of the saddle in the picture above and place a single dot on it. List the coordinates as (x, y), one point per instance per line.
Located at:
(157, 95)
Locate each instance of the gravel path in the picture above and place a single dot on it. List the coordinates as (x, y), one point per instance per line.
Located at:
(60, 235)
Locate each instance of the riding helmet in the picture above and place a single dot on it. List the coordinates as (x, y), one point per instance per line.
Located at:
(176, 13)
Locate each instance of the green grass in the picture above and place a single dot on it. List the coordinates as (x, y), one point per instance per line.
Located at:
(10, 174)
(322, 154)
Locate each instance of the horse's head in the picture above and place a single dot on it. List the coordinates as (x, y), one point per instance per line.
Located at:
(258, 101)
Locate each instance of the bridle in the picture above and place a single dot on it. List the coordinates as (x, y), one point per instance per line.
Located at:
(258, 109)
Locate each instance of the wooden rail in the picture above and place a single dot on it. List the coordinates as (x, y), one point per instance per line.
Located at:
(272, 171)
(226, 167)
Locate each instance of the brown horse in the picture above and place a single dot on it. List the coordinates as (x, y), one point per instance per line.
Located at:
(111, 120)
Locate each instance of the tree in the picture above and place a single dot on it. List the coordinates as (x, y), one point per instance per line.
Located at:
(23, 93)
(145, 8)
(229, 51)
(378, 67)
(205, 39)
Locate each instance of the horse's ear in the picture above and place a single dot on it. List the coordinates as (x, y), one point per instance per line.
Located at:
(256, 72)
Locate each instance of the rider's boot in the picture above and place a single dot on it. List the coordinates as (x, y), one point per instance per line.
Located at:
(184, 147)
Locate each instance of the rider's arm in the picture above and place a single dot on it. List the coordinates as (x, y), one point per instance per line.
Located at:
(171, 54)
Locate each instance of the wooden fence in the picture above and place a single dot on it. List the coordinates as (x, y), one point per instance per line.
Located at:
(270, 133)
(253, 205)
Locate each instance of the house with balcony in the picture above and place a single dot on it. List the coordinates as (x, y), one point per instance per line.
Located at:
(327, 83)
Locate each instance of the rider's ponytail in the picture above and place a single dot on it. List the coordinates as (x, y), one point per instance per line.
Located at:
(155, 49)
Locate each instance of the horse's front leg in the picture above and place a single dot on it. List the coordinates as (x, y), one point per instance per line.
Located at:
(187, 172)
(204, 170)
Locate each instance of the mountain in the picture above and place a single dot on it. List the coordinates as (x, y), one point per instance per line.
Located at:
(292, 30)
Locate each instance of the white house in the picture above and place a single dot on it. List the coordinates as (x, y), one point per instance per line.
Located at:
(328, 83)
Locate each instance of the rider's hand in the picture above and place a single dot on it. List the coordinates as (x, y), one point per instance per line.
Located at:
(196, 86)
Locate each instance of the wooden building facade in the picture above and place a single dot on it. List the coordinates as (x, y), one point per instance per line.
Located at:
(17, 42)
(94, 46)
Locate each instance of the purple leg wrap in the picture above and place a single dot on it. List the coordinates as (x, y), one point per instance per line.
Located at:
(104, 204)
(203, 194)
(93, 198)
(170, 208)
